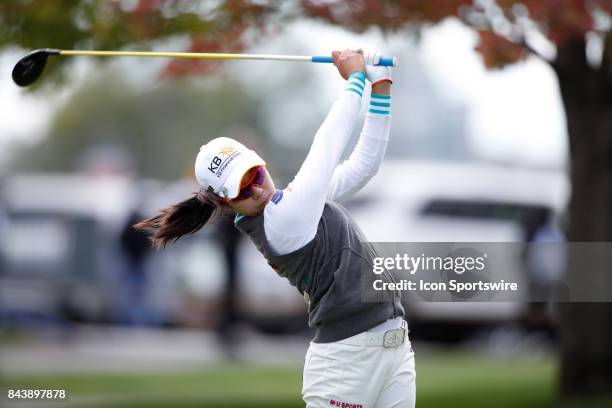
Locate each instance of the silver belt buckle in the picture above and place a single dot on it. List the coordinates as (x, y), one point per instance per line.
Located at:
(394, 338)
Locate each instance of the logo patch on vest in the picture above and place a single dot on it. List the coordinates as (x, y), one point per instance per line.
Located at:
(277, 197)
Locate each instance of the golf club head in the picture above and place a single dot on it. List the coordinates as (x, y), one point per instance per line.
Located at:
(30, 67)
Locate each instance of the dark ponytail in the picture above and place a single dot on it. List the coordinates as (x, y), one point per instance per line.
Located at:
(183, 218)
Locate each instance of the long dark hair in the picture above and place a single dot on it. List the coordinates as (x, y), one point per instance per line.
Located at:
(183, 218)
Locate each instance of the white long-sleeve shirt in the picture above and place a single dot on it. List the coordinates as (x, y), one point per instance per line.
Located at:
(291, 218)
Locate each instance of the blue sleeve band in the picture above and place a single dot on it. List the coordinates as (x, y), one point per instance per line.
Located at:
(380, 104)
(379, 112)
(383, 104)
(358, 75)
(377, 96)
(354, 90)
(358, 84)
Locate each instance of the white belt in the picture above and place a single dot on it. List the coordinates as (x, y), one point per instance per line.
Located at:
(388, 339)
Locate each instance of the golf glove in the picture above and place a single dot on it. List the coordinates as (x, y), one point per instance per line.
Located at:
(376, 74)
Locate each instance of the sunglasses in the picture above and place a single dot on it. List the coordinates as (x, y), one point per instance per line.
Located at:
(258, 176)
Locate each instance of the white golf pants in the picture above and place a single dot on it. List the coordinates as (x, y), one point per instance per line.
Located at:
(351, 373)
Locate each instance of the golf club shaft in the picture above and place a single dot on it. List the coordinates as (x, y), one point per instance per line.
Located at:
(386, 61)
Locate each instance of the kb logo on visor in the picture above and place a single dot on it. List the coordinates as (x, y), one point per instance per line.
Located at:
(216, 161)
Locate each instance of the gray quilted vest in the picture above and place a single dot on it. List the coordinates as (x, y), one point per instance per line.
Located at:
(330, 272)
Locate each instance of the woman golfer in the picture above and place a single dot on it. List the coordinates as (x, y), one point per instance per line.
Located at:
(360, 355)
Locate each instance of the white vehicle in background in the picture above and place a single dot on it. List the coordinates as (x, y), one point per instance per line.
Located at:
(61, 258)
(58, 246)
(425, 201)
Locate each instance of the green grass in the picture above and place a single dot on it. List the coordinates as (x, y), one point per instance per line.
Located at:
(224, 386)
(443, 380)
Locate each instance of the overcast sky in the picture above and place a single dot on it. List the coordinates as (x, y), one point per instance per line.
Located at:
(514, 115)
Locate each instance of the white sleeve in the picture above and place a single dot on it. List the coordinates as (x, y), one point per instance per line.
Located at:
(350, 176)
(292, 216)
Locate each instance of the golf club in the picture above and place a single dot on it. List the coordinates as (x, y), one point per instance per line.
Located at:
(30, 67)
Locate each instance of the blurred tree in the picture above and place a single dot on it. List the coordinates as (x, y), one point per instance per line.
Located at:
(578, 32)
(211, 26)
